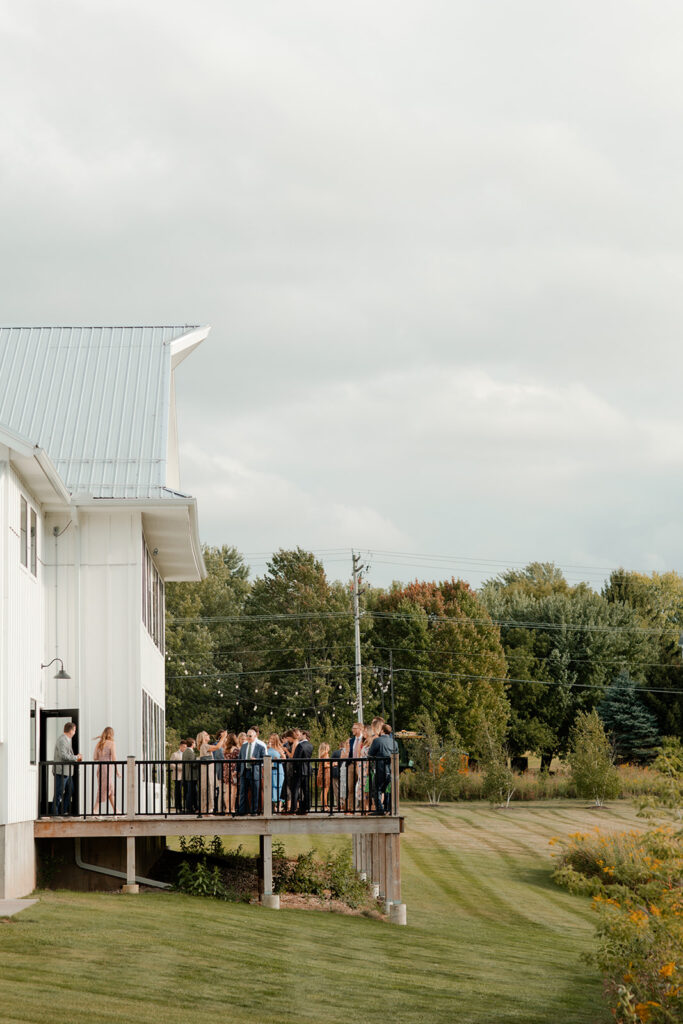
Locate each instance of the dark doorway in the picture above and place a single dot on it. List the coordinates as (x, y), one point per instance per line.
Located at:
(52, 722)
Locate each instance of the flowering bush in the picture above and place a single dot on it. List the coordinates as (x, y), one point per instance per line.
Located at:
(636, 881)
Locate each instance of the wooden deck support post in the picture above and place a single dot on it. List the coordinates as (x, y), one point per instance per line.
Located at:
(266, 895)
(361, 857)
(395, 795)
(374, 864)
(374, 848)
(131, 885)
(388, 875)
(397, 910)
(382, 852)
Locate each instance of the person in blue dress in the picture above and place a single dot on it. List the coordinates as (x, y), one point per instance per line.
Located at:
(277, 752)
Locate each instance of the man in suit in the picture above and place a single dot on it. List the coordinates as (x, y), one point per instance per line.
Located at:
(63, 770)
(190, 802)
(177, 775)
(249, 768)
(302, 770)
(382, 747)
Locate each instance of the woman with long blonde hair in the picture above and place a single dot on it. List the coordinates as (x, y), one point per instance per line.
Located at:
(207, 772)
(324, 774)
(105, 751)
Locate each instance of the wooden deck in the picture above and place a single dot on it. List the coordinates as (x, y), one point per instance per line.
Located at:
(217, 825)
(375, 837)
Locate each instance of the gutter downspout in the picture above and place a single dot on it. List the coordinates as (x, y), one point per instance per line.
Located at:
(112, 872)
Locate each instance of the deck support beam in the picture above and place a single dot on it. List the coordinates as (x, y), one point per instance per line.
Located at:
(131, 885)
(266, 895)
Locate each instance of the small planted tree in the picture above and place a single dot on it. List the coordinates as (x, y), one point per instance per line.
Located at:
(591, 759)
(499, 781)
(436, 760)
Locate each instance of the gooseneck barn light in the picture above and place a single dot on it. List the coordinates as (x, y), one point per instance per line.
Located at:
(60, 674)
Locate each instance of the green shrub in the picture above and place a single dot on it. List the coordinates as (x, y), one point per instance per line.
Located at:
(305, 876)
(201, 880)
(636, 881)
(344, 884)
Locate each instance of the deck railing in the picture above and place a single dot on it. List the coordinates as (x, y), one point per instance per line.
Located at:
(267, 787)
(81, 789)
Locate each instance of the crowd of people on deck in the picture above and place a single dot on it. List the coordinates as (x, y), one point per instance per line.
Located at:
(224, 774)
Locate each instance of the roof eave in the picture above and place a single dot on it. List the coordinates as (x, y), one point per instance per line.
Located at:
(171, 529)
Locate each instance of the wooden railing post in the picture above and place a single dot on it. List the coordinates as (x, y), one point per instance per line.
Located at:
(131, 787)
(394, 784)
(267, 786)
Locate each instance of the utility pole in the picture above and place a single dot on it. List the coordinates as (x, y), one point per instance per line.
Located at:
(357, 569)
(391, 683)
(381, 686)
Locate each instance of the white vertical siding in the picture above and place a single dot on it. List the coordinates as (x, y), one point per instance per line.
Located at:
(22, 654)
(105, 646)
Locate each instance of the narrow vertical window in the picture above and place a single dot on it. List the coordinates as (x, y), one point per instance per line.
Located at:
(34, 543)
(23, 533)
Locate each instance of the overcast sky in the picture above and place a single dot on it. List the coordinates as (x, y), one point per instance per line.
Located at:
(440, 245)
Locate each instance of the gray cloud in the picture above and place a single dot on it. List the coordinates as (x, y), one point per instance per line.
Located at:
(440, 245)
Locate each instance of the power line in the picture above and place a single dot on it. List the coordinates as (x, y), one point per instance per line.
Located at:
(432, 619)
(470, 676)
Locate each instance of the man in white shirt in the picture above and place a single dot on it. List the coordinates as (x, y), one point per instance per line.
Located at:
(251, 761)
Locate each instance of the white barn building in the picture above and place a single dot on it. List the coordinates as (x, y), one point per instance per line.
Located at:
(92, 525)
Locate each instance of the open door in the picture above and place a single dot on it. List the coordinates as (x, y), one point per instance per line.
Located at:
(52, 724)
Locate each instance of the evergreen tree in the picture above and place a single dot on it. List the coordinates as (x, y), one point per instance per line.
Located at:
(631, 727)
(657, 599)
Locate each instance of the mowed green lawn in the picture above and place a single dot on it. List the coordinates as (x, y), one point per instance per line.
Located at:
(490, 939)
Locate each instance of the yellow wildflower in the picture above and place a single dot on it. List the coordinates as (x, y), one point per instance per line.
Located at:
(667, 970)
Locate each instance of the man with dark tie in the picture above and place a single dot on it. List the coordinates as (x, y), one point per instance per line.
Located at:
(302, 769)
(249, 767)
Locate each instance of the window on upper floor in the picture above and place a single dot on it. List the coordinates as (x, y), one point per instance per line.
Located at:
(23, 532)
(33, 539)
(152, 599)
(28, 536)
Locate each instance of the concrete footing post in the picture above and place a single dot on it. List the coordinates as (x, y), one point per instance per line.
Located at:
(397, 913)
(131, 887)
(270, 900)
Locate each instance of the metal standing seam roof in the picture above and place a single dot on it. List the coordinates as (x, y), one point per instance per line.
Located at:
(96, 399)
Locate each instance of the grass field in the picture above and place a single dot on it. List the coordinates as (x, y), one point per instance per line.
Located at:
(490, 940)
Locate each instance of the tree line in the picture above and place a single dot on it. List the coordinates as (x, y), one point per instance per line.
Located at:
(525, 654)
